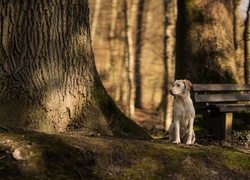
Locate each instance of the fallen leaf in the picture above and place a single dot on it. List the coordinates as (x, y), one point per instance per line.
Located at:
(17, 155)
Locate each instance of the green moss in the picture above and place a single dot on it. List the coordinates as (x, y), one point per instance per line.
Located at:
(235, 160)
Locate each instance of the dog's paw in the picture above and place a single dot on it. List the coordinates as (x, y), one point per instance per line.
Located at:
(189, 143)
(176, 142)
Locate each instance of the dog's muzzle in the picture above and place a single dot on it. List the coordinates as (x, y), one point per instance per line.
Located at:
(171, 92)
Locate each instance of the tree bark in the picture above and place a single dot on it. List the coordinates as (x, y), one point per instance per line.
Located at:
(205, 46)
(247, 46)
(48, 76)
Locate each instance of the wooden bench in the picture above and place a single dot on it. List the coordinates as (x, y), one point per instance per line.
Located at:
(219, 103)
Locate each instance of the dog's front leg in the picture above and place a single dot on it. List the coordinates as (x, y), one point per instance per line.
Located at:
(190, 132)
(177, 132)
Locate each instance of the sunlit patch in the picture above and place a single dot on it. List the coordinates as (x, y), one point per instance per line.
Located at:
(61, 108)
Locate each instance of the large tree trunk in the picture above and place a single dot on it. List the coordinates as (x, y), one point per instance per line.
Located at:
(247, 46)
(48, 77)
(205, 45)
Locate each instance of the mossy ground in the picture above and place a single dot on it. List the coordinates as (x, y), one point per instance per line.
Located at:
(82, 155)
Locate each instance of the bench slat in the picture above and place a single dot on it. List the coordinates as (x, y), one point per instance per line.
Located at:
(234, 109)
(229, 107)
(221, 97)
(233, 105)
(221, 87)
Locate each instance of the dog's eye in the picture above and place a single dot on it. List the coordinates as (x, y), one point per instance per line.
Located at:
(178, 85)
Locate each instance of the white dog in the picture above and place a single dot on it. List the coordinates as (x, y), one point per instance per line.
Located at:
(181, 130)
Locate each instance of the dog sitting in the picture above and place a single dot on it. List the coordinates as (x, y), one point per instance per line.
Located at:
(181, 130)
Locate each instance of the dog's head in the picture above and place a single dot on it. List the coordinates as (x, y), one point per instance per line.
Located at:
(180, 87)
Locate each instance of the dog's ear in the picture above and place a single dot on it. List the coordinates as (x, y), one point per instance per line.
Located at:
(187, 83)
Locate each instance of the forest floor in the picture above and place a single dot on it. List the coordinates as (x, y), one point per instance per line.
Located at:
(85, 155)
(240, 137)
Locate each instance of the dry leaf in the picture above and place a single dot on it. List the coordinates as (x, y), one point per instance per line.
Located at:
(17, 155)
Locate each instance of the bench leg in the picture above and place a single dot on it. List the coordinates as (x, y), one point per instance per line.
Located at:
(227, 128)
(221, 126)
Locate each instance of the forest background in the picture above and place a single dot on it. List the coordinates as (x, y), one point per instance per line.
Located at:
(136, 49)
(57, 121)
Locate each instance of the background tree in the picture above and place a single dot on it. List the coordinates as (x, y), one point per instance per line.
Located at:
(205, 44)
(208, 54)
(112, 35)
(116, 83)
(236, 20)
(138, 48)
(247, 46)
(150, 48)
(48, 76)
(95, 19)
(238, 39)
(166, 106)
(130, 17)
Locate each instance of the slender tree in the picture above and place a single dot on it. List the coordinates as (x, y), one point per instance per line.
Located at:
(95, 19)
(247, 46)
(131, 12)
(238, 40)
(114, 73)
(48, 77)
(170, 16)
(138, 47)
(236, 20)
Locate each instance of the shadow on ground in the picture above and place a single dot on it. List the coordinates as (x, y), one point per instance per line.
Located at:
(83, 155)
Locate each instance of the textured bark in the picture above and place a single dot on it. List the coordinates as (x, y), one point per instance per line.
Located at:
(205, 45)
(247, 46)
(48, 76)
